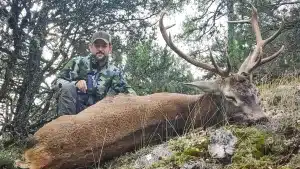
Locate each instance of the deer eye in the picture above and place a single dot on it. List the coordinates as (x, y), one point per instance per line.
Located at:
(231, 98)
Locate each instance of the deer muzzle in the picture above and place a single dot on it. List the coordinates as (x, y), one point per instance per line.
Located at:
(254, 114)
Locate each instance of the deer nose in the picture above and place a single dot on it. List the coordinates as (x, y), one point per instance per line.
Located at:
(260, 120)
(263, 119)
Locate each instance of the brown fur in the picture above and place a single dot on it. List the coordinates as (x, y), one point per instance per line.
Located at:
(116, 125)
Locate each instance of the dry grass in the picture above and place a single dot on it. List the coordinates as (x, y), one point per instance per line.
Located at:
(281, 101)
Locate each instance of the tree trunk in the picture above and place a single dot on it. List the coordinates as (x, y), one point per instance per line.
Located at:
(12, 56)
(32, 78)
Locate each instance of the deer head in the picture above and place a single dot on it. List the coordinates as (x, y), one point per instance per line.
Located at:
(236, 88)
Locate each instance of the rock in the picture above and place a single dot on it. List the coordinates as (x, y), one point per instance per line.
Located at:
(159, 152)
(222, 144)
(200, 165)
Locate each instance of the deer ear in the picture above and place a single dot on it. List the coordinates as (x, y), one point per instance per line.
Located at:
(206, 86)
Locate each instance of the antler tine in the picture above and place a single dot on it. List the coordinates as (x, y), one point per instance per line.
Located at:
(229, 67)
(225, 72)
(270, 58)
(254, 59)
(168, 40)
(271, 38)
(255, 26)
(265, 60)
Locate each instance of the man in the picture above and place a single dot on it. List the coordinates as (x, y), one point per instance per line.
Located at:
(86, 80)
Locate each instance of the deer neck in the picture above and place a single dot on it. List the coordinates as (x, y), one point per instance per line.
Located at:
(208, 110)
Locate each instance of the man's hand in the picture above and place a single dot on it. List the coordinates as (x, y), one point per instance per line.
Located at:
(81, 85)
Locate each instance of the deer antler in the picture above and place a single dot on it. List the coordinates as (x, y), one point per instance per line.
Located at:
(215, 68)
(255, 60)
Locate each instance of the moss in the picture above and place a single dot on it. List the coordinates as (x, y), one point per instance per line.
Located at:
(285, 167)
(7, 158)
(187, 148)
(175, 160)
(256, 148)
(126, 161)
(189, 145)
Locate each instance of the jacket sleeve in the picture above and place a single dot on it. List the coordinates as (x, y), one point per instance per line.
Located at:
(119, 84)
(69, 71)
(76, 69)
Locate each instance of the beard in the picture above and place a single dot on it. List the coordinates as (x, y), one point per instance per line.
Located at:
(100, 60)
(100, 56)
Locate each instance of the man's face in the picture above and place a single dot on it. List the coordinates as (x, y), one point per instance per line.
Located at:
(100, 49)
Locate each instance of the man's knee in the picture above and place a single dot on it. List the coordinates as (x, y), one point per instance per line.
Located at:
(67, 98)
(68, 88)
(67, 92)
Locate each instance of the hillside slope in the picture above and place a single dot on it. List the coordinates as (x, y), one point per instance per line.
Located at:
(275, 145)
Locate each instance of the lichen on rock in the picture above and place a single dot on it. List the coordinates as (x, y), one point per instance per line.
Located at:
(222, 144)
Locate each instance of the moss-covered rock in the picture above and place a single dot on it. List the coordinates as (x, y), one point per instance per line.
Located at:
(258, 148)
(190, 147)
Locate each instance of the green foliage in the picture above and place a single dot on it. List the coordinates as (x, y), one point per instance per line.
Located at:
(151, 69)
(237, 54)
(8, 157)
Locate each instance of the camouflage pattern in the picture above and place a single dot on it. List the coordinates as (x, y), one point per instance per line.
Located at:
(107, 80)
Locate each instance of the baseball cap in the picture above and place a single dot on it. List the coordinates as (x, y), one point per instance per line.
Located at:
(101, 35)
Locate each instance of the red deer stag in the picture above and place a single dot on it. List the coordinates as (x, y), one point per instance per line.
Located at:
(123, 123)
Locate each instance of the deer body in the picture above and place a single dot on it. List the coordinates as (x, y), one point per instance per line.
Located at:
(94, 134)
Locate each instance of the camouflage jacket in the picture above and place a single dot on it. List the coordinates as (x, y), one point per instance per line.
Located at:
(108, 80)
